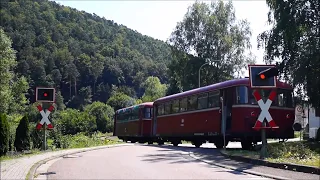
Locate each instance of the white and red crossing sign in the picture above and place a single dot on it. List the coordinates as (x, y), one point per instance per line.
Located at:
(45, 116)
(264, 110)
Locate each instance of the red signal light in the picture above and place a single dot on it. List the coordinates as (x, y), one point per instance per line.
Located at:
(262, 76)
(45, 94)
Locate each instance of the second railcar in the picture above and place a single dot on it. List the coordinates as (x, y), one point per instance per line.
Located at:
(134, 123)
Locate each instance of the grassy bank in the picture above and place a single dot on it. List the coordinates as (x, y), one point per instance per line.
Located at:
(69, 142)
(303, 153)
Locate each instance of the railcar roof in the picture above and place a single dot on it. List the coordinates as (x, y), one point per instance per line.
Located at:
(225, 84)
(147, 104)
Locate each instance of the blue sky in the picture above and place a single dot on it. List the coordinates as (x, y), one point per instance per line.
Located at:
(158, 18)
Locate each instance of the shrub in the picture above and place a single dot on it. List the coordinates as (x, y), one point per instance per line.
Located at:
(4, 134)
(36, 136)
(22, 140)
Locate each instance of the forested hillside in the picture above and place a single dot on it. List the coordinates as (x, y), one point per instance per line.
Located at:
(80, 54)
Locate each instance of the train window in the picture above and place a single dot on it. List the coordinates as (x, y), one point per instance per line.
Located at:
(147, 113)
(192, 103)
(167, 108)
(129, 115)
(135, 113)
(183, 104)
(203, 101)
(160, 109)
(175, 106)
(214, 99)
(264, 95)
(118, 117)
(284, 98)
(242, 95)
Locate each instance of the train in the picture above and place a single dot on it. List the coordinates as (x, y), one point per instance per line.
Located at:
(218, 113)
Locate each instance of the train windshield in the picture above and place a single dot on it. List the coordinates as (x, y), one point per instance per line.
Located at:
(284, 97)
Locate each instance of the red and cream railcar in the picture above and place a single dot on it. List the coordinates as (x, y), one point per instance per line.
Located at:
(134, 123)
(196, 115)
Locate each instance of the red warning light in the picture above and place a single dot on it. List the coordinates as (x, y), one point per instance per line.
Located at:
(45, 94)
(262, 76)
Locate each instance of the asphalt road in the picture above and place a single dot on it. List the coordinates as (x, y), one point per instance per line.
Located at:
(139, 162)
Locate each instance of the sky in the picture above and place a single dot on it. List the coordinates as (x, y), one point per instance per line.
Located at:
(159, 18)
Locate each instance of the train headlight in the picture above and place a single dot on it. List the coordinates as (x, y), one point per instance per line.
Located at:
(288, 116)
(253, 114)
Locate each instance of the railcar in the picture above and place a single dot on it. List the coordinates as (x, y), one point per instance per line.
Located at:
(134, 123)
(196, 115)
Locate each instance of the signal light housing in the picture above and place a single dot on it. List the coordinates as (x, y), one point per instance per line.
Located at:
(45, 94)
(263, 76)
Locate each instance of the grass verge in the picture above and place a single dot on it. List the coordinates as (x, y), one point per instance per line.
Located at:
(69, 142)
(301, 153)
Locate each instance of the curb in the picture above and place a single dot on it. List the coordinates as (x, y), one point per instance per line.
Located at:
(236, 169)
(285, 166)
(33, 169)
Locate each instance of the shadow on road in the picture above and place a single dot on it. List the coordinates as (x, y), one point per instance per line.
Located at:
(209, 154)
(47, 173)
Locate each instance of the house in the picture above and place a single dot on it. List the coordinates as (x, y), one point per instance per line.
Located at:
(313, 115)
(309, 118)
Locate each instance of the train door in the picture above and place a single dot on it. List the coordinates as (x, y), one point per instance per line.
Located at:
(227, 98)
(154, 119)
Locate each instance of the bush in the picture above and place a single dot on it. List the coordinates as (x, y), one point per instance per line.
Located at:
(36, 136)
(22, 140)
(296, 150)
(4, 135)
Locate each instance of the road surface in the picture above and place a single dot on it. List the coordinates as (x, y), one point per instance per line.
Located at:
(139, 162)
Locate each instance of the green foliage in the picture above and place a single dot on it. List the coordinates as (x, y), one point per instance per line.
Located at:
(22, 139)
(72, 121)
(4, 134)
(80, 140)
(153, 89)
(120, 100)
(301, 152)
(294, 39)
(103, 114)
(14, 121)
(8, 62)
(35, 136)
(19, 89)
(78, 53)
(212, 34)
(59, 101)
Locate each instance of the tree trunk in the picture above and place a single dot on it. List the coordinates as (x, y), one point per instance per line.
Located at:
(70, 88)
(75, 86)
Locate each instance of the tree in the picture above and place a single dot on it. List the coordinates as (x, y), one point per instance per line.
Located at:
(19, 101)
(153, 89)
(294, 39)
(120, 100)
(211, 33)
(104, 115)
(4, 134)
(8, 62)
(77, 50)
(22, 140)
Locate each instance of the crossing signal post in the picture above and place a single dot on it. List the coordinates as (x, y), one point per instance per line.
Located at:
(263, 77)
(46, 96)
